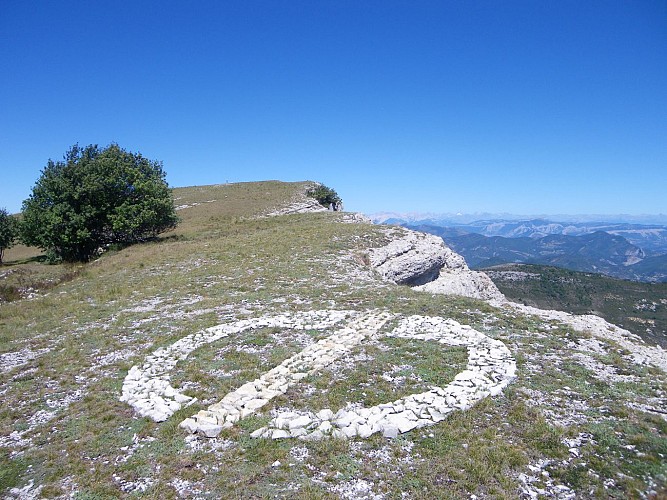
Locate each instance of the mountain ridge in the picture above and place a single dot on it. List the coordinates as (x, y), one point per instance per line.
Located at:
(600, 251)
(209, 312)
(464, 218)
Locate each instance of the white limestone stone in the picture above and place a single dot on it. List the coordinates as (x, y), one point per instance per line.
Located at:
(490, 368)
(325, 427)
(401, 422)
(209, 430)
(300, 421)
(279, 434)
(365, 430)
(189, 425)
(350, 431)
(316, 435)
(325, 414)
(298, 432)
(390, 432)
(254, 404)
(259, 433)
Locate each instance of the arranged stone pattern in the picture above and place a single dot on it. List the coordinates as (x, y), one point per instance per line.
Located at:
(251, 396)
(490, 369)
(147, 388)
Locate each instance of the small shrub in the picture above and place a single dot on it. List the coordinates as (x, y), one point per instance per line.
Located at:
(326, 196)
(9, 293)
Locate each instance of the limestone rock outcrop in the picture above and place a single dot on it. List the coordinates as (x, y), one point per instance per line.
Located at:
(303, 204)
(424, 261)
(465, 282)
(410, 258)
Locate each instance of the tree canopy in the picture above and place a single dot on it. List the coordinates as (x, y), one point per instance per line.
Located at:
(96, 197)
(8, 231)
(325, 196)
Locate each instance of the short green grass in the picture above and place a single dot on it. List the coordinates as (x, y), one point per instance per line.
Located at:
(223, 264)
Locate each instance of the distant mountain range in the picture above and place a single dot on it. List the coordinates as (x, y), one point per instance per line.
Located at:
(619, 249)
(452, 219)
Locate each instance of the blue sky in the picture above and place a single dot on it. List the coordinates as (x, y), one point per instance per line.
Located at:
(529, 107)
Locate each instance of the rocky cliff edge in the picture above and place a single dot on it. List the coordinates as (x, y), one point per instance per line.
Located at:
(424, 262)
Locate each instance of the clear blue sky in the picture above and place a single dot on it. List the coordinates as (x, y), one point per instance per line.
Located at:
(514, 106)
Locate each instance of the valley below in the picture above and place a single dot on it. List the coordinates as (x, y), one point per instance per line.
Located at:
(638, 307)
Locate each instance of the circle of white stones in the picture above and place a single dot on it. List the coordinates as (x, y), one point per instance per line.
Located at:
(489, 370)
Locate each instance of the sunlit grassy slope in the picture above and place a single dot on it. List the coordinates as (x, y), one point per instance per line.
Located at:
(66, 351)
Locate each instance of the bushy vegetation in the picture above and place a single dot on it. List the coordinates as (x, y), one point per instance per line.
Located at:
(326, 196)
(94, 198)
(638, 307)
(8, 231)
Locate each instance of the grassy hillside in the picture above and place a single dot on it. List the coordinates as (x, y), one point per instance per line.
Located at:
(64, 352)
(638, 307)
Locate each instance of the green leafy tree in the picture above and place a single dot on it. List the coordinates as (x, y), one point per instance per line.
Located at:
(325, 196)
(8, 231)
(96, 197)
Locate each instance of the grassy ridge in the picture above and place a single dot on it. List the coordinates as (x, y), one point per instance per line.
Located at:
(63, 427)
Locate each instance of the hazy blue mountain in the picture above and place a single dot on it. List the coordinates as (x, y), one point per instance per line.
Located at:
(652, 239)
(449, 219)
(599, 251)
(623, 246)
